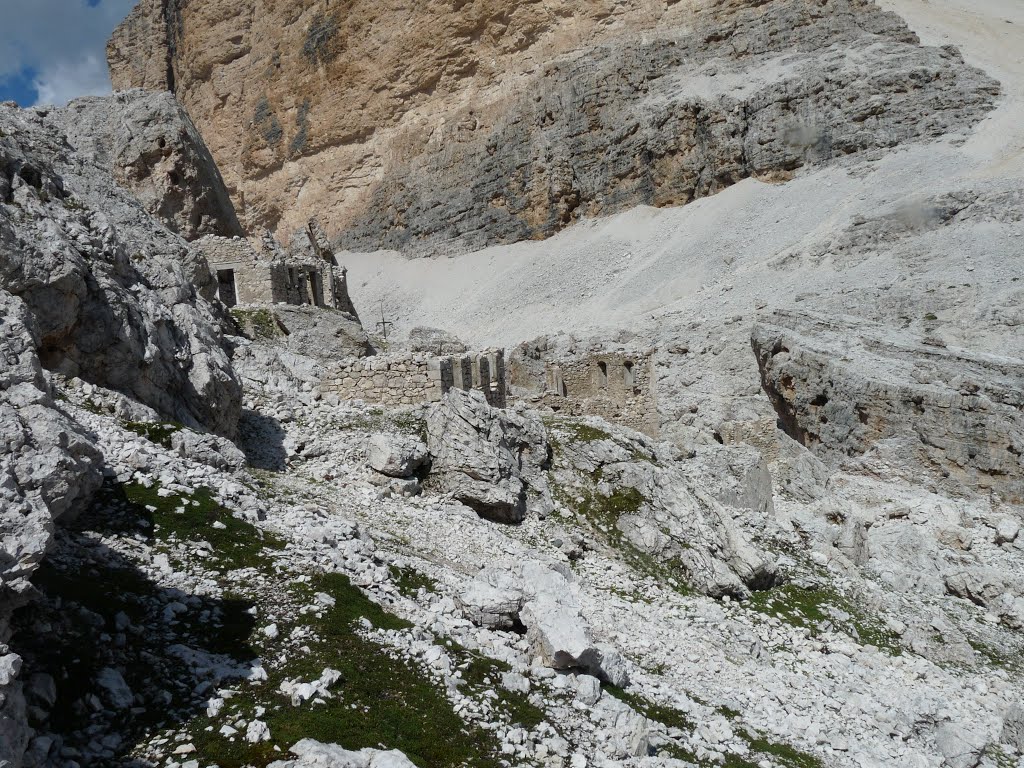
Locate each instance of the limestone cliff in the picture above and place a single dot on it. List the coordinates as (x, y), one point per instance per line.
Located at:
(425, 128)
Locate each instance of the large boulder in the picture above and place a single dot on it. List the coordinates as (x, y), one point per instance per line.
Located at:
(396, 455)
(541, 598)
(147, 142)
(313, 754)
(489, 459)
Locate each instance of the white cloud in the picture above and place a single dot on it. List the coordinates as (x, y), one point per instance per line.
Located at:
(64, 82)
(62, 41)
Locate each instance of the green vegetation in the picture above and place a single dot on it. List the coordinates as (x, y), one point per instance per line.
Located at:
(782, 754)
(813, 608)
(321, 45)
(154, 431)
(379, 700)
(234, 543)
(409, 581)
(994, 656)
(484, 674)
(258, 323)
(668, 716)
(581, 432)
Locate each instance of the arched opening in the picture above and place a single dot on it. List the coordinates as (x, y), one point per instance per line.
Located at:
(629, 375)
(602, 375)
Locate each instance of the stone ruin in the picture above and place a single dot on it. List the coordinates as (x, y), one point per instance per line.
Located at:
(307, 273)
(416, 378)
(618, 385)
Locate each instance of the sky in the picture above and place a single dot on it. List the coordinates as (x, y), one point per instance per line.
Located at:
(52, 51)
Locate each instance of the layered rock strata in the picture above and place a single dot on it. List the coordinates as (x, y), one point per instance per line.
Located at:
(911, 404)
(405, 126)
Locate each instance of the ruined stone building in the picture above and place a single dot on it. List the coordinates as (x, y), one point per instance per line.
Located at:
(306, 273)
(417, 377)
(616, 385)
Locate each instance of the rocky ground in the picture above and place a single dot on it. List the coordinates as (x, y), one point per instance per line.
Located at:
(201, 613)
(818, 562)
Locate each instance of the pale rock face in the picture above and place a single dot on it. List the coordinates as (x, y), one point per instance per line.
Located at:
(148, 144)
(107, 287)
(426, 129)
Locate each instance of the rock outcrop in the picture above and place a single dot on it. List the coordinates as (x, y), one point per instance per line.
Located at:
(489, 459)
(426, 130)
(150, 147)
(110, 291)
(847, 389)
(645, 505)
(94, 288)
(48, 466)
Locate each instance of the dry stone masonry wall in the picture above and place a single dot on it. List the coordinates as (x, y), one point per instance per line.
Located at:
(616, 385)
(419, 378)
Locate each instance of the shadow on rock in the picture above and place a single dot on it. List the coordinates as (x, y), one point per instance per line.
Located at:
(109, 654)
(261, 439)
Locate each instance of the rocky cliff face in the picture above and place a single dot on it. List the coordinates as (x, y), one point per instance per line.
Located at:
(407, 127)
(111, 292)
(150, 147)
(913, 408)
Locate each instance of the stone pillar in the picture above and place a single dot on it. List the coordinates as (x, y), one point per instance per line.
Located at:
(440, 378)
(464, 378)
(483, 367)
(556, 382)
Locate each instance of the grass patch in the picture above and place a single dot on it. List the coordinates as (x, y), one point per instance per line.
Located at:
(410, 581)
(994, 656)
(783, 754)
(380, 700)
(815, 608)
(155, 431)
(668, 716)
(234, 543)
(257, 323)
(484, 674)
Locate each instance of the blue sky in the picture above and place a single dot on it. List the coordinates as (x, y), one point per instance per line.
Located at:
(54, 50)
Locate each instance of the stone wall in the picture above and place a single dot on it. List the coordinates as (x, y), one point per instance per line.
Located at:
(254, 281)
(417, 378)
(617, 386)
(307, 273)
